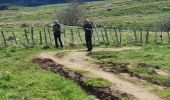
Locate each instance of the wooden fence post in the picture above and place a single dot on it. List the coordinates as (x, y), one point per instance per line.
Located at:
(97, 32)
(161, 36)
(117, 41)
(32, 36)
(79, 36)
(156, 40)
(168, 36)
(45, 36)
(4, 38)
(120, 36)
(111, 35)
(65, 36)
(135, 36)
(128, 41)
(15, 38)
(93, 37)
(49, 36)
(141, 36)
(72, 36)
(147, 36)
(26, 36)
(40, 38)
(107, 39)
(102, 35)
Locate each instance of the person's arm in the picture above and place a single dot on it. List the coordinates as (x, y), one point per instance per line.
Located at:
(91, 28)
(59, 27)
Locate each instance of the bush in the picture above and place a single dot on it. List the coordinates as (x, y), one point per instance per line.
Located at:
(164, 24)
(73, 14)
(4, 6)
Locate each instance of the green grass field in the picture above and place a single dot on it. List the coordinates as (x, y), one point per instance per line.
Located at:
(142, 63)
(21, 79)
(151, 55)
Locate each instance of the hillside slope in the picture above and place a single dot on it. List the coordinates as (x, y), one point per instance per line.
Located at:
(111, 13)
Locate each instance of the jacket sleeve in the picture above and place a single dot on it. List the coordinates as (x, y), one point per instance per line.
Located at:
(90, 26)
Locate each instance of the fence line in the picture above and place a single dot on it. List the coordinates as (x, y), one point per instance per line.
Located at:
(114, 36)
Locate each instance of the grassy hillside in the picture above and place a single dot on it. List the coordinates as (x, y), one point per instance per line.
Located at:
(136, 13)
(133, 13)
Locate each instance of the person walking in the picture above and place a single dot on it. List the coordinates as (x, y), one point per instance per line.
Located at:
(57, 33)
(88, 28)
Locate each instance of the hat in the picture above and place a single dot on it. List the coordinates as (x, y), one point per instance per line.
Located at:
(86, 20)
(56, 21)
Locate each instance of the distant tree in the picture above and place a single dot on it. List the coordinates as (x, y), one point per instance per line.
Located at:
(164, 24)
(4, 6)
(73, 14)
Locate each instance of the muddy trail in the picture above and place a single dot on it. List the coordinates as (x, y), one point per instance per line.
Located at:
(121, 88)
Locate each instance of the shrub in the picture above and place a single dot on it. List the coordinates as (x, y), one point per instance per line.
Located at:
(4, 6)
(164, 24)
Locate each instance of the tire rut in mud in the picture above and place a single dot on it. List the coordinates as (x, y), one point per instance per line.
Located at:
(123, 68)
(102, 93)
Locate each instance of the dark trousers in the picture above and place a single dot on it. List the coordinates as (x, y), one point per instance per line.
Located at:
(89, 42)
(56, 38)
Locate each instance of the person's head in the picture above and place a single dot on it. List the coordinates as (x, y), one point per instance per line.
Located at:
(86, 21)
(56, 21)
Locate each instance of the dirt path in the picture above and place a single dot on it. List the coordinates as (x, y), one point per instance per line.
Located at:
(77, 59)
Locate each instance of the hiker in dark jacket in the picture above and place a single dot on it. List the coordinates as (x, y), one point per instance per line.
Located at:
(88, 34)
(57, 33)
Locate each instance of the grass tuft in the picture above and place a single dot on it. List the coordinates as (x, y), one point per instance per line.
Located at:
(98, 82)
